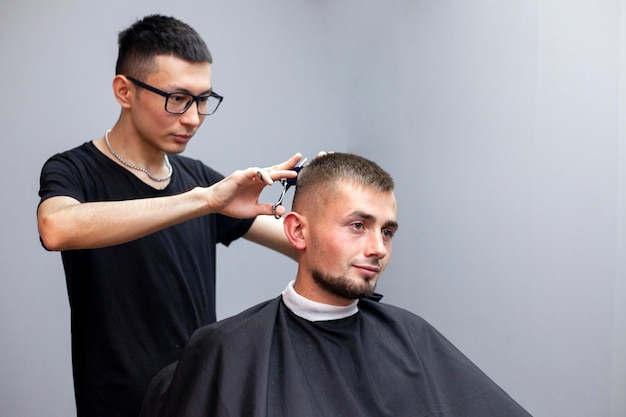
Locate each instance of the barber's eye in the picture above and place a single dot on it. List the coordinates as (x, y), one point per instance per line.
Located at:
(179, 98)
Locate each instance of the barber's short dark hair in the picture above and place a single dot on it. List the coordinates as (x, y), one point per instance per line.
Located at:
(326, 170)
(156, 35)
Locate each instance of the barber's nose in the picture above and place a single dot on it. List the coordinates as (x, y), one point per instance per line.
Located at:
(191, 116)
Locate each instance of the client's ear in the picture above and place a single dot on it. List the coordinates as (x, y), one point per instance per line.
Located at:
(295, 226)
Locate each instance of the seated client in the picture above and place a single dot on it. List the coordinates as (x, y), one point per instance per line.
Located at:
(326, 346)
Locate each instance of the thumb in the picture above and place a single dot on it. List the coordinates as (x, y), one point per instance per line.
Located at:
(271, 210)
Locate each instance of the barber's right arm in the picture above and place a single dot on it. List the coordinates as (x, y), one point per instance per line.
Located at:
(64, 223)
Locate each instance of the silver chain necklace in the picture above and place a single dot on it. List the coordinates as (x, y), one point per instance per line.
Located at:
(138, 168)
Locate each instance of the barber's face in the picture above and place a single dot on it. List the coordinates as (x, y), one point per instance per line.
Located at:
(349, 241)
(165, 131)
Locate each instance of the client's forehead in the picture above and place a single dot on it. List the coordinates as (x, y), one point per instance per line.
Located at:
(347, 195)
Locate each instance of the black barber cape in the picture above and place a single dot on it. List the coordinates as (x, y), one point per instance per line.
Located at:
(267, 362)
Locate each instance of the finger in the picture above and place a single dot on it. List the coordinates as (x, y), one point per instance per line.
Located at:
(263, 175)
(279, 175)
(277, 172)
(268, 176)
(268, 209)
(278, 211)
(289, 163)
(322, 153)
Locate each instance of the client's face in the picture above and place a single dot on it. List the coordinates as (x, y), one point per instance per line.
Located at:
(349, 241)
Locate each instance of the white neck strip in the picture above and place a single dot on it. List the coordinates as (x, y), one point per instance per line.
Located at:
(314, 311)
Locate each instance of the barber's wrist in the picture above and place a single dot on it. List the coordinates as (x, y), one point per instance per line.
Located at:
(204, 201)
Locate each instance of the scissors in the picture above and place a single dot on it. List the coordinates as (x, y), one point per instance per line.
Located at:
(286, 183)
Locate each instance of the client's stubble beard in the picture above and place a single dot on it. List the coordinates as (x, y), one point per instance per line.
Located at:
(344, 287)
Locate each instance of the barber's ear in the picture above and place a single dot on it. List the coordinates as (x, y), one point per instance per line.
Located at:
(295, 229)
(122, 90)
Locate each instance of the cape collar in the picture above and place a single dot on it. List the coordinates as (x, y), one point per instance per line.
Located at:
(314, 311)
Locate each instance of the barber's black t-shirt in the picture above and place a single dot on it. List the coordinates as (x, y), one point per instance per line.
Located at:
(134, 305)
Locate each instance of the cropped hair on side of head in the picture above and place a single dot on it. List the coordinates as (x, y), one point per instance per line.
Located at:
(156, 35)
(326, 170)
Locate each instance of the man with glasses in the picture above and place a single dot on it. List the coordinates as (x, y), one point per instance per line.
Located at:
(137, 224)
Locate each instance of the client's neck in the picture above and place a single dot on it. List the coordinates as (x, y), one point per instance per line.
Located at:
(313, 310)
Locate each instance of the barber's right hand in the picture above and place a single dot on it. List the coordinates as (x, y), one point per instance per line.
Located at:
(238, 194)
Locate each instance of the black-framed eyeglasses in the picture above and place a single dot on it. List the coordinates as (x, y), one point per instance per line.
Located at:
(178, 103)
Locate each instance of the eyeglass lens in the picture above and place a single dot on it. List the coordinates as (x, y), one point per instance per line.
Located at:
(180, 102)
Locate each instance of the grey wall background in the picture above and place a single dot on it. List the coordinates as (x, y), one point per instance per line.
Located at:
(502, 122)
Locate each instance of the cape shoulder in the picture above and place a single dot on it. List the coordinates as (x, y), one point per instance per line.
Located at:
(253, 322)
